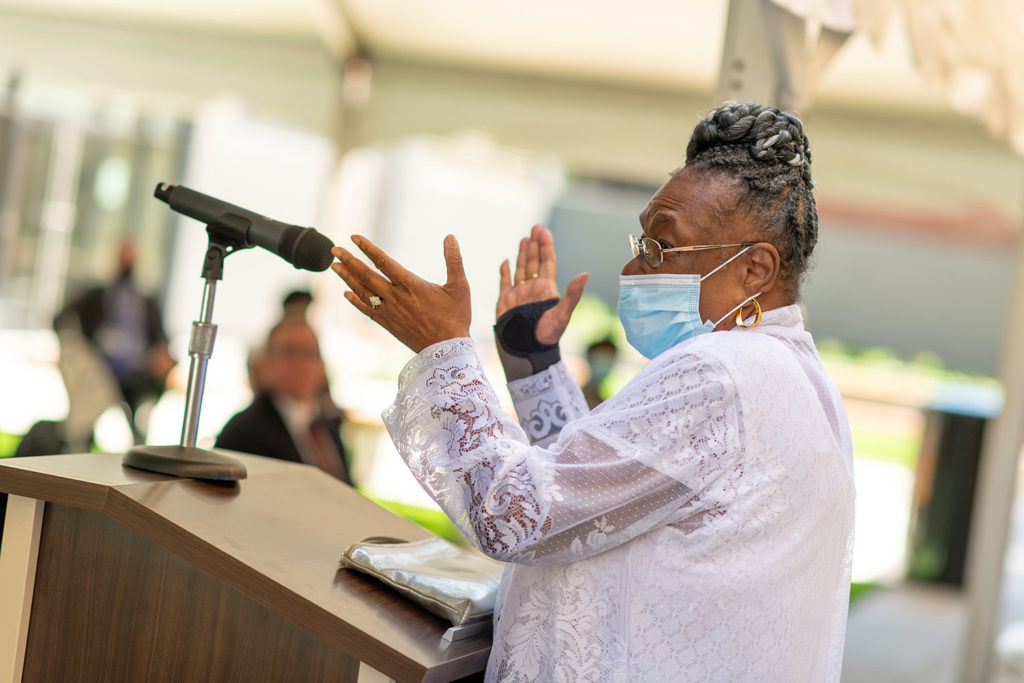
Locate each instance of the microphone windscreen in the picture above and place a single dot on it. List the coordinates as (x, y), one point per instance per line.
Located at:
(310, 250)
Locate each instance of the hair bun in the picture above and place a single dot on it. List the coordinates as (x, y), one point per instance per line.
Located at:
(766, 133)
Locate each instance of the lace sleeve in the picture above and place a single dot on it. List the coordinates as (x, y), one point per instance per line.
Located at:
(547, 401)
(647, 457)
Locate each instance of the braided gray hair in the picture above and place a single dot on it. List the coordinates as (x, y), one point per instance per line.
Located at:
(768, 150)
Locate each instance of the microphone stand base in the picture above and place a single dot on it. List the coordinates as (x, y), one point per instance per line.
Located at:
(185, 461)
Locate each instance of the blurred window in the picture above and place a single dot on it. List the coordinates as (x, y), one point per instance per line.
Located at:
(74, 181)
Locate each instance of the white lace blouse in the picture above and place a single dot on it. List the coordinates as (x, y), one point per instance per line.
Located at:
(697, 526)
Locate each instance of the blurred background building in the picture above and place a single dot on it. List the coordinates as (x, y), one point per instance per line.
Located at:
(408, 120)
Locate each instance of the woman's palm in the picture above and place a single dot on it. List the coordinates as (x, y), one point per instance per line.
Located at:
(535, 280)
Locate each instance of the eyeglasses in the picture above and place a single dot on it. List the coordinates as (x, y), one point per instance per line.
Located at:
(654, 253)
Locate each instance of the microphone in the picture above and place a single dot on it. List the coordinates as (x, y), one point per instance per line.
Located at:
(304, 248)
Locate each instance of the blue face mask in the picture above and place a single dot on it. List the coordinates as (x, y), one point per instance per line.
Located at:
(660, 311)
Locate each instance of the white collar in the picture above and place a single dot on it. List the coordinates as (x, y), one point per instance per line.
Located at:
(297, 415)
(790, 317)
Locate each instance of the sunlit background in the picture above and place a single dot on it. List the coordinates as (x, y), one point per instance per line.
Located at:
(407, 120)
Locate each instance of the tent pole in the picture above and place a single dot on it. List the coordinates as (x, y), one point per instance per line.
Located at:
(993, 513)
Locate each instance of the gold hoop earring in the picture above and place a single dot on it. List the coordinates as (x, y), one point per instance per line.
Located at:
(757, 317)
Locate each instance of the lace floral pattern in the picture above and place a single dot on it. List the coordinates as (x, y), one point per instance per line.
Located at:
(546, 402)
(695, 527)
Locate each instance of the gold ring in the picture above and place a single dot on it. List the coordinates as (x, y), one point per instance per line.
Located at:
(375, 301)
(533, 275)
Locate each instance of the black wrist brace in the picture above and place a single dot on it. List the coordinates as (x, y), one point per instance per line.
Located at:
(516, 335)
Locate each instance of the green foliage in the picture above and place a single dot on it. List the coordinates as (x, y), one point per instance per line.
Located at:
(8, 444)
(926, 360)
(434, 521)
(898, 449)
(923, 365)
(592, 321)
(859, 590)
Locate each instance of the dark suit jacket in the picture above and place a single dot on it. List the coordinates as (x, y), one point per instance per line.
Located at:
(89, 312)
(90, 309)
(260, 430)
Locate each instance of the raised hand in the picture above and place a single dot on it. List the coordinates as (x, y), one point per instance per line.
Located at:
(416, 312)
(535, 279)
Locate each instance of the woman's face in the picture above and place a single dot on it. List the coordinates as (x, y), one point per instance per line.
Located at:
(691, 209)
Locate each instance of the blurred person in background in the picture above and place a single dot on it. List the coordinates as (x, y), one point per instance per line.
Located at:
(288, 418)
(126, 328)
(697, 525)
(296, 304)
(600, 359)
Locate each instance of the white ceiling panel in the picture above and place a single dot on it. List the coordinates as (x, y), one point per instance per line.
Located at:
(652, 43)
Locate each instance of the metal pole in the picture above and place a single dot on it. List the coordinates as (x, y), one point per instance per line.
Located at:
(200, 346)
(186, 460)
(990, 524)
(747, 70)
(11, 131)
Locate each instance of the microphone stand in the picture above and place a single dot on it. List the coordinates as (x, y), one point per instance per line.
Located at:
(185, 460)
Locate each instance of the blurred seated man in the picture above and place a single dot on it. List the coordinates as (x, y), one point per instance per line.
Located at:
(294, 305)
(125, 328)
(286, 419)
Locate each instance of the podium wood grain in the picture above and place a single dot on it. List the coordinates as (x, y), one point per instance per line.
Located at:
(150, 577)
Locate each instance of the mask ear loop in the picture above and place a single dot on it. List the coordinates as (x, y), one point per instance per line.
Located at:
(727, 262)
(738, 310)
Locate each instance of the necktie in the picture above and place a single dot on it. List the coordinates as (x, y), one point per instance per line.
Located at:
(322, 450)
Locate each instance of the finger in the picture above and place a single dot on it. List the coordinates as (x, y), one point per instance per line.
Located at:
(384, 263)
(346, 275)
(357, 275)
(521, 261)
(363, 307)
(573, 292)
(548, 264)
(532, 256)
(554, 321)
(358, 290)
(453, 261)
(358, 297)
(505, 279)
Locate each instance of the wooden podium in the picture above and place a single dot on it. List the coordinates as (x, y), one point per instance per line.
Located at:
(113, 574)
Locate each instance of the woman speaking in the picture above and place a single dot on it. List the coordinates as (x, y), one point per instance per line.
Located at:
(697, 526)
